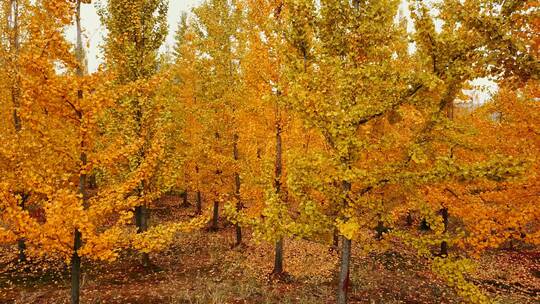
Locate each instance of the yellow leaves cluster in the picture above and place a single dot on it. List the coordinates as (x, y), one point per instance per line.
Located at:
(454, 271)
(162, 236)
(349, 228)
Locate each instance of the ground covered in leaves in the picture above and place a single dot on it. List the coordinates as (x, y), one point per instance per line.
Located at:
(202, 268)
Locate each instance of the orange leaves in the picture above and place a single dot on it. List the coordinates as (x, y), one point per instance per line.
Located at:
(509, 210)
(67, 135)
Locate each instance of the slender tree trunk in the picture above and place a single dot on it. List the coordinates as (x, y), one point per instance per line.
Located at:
(77, 237)
(77, 241)
(279, 159)
(215, 217)
(335, 240)
(141, 218)
(21, 246)
(199, 202)
(444, 210)
(343, 287)
(142, 213)
(237, 186)
(185, 202)
(76, 268)
(238, 230)
(278, 259)
(444, 244)
(198, 196)
(13, 25)
(380, 230)
(278, 167)
(21, 243)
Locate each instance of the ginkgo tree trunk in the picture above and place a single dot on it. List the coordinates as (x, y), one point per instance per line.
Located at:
(278, 181)
(77, 241)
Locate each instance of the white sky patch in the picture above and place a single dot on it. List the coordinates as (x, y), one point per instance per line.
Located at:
(482, 89)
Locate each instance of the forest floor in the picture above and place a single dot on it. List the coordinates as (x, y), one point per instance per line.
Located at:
(202, 268)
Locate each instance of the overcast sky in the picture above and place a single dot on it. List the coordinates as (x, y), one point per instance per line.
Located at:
(94, 31)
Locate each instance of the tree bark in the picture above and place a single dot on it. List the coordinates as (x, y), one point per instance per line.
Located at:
(21, 243)
(344, 278)
(381, 229)
(13, 25)
(279, 159)
(444, 244)
(238, 230)
(199, 202)
(335, 240)
(278, 168)
(76, 268)
(77, 237)
(343, 285)
(21, 246)
(185, 202)
(237, 185)
(278, 259)
(444, 210)
(215, 217)
(141, 218)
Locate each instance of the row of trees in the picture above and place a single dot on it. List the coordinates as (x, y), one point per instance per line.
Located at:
(335, 121)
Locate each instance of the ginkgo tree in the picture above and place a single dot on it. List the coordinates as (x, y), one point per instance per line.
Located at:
(377, 106)
(219, 43)
(58, 175)
(65, 111)
(262, 76)
(497, 213)
(263, 69)
(314, 119)
(186, 87)
(14, 13)
(136, 30)
(30, 58)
